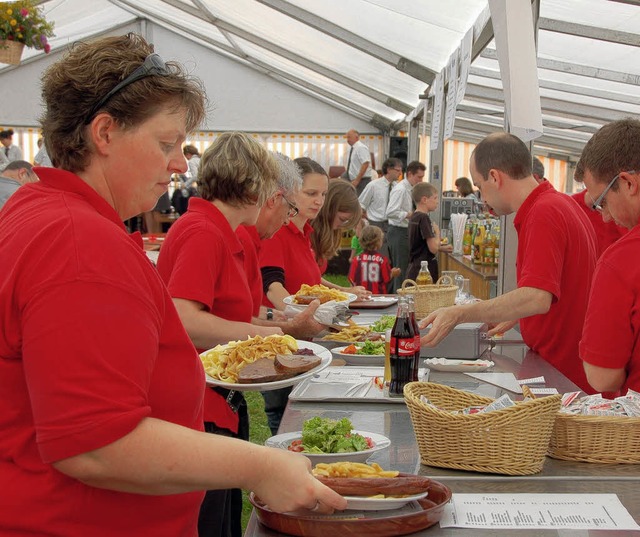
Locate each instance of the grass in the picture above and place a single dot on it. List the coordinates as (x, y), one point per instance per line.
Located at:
(259, 429)
(258, 432)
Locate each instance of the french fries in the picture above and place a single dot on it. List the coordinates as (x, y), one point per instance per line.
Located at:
(352, 469)
(323, 293)
(349, 334)
(223, 362)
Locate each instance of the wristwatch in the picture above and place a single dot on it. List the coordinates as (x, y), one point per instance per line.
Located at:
(269, 314)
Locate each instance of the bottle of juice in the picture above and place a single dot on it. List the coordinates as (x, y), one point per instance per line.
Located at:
(478, 243)
(467, 238)
(424, 276)
(488, 250)
(496, 243)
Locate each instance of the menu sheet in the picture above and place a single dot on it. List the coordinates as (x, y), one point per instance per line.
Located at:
(538, 511)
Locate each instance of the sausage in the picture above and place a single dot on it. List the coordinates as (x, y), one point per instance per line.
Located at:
(369, 486)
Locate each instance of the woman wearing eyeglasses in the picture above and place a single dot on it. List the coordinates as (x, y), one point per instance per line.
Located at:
(101, 388)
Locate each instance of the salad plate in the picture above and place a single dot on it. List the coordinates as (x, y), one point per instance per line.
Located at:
(283, 441)
(359, 359)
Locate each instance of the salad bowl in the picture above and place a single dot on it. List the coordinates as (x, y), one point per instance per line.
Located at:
(284, 441)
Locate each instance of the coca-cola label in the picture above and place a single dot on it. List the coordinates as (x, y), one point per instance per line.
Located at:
(406, 347)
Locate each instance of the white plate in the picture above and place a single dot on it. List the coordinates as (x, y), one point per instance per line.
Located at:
(289, 300)
(283, 441)
(358, 503)
(319, 350)
(359, 359)
(465, 366)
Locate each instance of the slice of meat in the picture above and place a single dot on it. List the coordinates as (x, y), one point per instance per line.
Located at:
(295, 364)
(262, 370)
(370, 486)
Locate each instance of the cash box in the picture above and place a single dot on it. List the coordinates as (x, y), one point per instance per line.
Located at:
(467, 341)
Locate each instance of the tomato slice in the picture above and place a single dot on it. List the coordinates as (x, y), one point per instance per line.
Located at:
(351, 349)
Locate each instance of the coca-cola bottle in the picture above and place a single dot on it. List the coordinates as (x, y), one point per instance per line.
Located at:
(412, 315)
(402, 350)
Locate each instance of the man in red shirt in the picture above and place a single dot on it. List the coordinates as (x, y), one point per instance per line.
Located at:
(555, 261)
(610, 344)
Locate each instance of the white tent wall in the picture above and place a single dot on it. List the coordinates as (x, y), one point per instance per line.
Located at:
(243, 99)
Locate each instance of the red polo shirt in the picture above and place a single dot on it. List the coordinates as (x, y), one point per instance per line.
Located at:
(611, 334)
(90, 345)
(202, 260)
(556, 253)
(251, 244)
(606, 233)
(290, 250)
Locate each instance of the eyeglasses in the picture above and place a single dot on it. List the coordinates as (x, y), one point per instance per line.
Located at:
(597, 204)
(293, 210)
(153, 65)
(397, 169)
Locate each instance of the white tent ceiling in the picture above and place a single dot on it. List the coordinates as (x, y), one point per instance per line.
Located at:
(374, 58)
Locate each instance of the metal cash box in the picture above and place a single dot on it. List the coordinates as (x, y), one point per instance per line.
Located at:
(467, 341)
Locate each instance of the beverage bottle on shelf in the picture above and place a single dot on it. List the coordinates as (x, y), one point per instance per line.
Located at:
(402, 352)
(467, 238)
(488, 248)
(412, 316)
(424, 276)
(478, 243)
(496, 243)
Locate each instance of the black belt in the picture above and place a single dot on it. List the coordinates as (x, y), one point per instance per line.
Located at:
(234, 399)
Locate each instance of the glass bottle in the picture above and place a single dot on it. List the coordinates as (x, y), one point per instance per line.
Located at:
(414, 321)
(402, 352)
(424, 276)
(467, 238)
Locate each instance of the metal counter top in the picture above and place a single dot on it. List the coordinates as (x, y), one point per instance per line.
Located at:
(394, 421)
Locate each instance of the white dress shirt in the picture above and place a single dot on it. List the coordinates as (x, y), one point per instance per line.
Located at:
(14, 153)
(375, 198)
(359, 156)
(400, 204)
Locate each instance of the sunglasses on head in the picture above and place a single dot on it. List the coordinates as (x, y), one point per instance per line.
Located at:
(153, 65)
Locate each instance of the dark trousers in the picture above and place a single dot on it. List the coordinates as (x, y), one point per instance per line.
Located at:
(275, 401)
(362, 184)
(221, 510)
(398, 239)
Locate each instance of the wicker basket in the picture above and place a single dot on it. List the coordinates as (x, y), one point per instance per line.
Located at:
(429, 298)
(11, 52)
(604, 439)
(510, 441)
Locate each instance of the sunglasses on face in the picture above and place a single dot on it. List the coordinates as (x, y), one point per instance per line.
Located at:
(598, 204)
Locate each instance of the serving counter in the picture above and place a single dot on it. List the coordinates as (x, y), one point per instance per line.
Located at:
(394, 421)
(482, 279)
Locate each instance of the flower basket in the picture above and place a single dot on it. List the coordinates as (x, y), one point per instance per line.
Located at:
(11, 52)
(22, 24)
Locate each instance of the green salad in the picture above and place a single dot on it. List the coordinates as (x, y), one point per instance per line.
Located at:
(383, 323)
(371, 348)
(324, 435)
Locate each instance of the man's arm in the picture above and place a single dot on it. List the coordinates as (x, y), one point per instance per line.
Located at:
(395, 209)
(302, 326)
(514, 305)
(604, 379)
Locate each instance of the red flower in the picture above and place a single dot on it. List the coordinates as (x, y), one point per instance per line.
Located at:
(47, 48)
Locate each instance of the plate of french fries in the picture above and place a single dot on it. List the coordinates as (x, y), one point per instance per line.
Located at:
(308, 293)
(353, 333)
(223, 363)
(358, 470)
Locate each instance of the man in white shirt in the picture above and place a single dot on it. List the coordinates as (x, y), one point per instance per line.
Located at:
(12, 152)
(398, 213)
(42, 157)
(375, 197)
(358, 162)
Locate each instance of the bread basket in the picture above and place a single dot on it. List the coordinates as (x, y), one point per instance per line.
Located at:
(428, 298)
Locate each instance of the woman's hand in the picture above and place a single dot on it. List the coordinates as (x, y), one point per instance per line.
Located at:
(288, 485)
(359, 291)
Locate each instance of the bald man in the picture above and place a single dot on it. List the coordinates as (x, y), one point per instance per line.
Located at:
(358, 162)
(16, 174)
